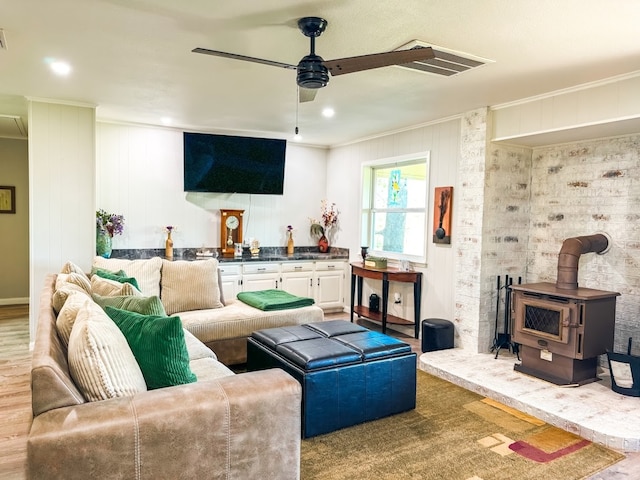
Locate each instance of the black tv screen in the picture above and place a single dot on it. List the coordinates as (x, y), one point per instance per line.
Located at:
(230, 164)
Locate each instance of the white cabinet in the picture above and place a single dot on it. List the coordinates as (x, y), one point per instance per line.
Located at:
(297, 278)
(260, 276)
(230, 280)
(324, 281)
(329, 291)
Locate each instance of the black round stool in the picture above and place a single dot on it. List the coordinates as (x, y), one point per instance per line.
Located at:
(437, 334)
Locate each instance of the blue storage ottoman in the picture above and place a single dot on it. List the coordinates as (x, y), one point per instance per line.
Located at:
(348, 374)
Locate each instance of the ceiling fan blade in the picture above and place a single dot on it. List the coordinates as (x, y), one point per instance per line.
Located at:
(377, 60)
(235, 56)
(307, 94)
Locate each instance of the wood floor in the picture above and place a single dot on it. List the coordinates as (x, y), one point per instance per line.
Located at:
(15, 397)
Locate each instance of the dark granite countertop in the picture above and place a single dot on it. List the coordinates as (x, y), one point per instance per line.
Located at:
(267, 254)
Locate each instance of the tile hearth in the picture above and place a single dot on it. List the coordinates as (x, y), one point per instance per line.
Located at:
(592, 411)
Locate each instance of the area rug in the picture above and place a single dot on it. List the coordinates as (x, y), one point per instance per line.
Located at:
(453, 434)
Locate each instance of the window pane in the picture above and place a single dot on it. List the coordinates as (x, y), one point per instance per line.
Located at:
(401, 186)
(401, 232)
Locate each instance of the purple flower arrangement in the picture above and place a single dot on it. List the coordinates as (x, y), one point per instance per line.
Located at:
(109, 223)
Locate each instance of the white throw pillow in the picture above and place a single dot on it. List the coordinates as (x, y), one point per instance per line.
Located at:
(61, 294)
(71, 267)
(100, 360)
(146, 272)
(68, 314)
(111, 288)
(75, 278)
(190, 285)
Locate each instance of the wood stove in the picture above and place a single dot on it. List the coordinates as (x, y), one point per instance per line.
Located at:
(562, 332)
(561, 327)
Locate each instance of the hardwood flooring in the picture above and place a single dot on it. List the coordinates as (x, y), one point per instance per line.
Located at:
(15, 396)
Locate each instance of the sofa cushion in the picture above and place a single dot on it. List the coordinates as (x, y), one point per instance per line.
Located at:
(77, 279)
(146, 272)
(71, 267)
(61, 294)
(237, 320)
(209, 369)
(144, 305)
(190, 285)
(119, 276)
(68, 314)
(109, 288)
(196, 349)
(158, 345)
(100, 359)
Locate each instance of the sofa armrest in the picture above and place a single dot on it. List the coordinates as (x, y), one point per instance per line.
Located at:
(246, 426)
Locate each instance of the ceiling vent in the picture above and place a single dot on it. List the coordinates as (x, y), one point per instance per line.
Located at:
(446, 63)
(12, 126)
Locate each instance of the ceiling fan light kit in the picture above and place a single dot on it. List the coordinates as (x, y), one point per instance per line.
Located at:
(313, 71)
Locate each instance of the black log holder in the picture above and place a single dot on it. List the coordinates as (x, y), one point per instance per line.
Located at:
(503, 340)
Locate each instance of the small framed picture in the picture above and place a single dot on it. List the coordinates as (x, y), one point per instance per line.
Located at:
(7, 199)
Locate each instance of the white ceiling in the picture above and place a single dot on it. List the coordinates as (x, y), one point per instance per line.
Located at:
(132, 58)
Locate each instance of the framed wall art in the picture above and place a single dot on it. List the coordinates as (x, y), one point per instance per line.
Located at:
(7, 199)
(442, 203)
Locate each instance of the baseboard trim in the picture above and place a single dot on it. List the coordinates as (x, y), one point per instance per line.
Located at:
(14, 301)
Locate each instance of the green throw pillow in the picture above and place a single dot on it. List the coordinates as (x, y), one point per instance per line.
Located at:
(144, 305)
(119, 276)
(159, 347)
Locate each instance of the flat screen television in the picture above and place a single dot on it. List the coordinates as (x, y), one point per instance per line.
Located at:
(231, 164)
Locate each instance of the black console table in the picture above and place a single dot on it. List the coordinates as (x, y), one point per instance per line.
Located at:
(359, 272)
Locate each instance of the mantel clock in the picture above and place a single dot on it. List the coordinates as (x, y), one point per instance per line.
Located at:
(230, 230)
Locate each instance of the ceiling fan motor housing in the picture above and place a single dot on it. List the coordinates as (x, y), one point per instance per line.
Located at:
(312, 73)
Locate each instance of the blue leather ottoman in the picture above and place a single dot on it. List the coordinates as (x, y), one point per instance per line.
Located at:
(348, 374)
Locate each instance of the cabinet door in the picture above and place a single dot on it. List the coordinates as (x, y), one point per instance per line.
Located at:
(298, 283)
(330, 285)
(230, 286)
(230, 280)
(255, 281)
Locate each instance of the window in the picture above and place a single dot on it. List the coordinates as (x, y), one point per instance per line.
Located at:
(394, 207)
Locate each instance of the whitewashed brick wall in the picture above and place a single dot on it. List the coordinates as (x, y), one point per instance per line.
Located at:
(493, 221)
(585, 188)
(468, 223)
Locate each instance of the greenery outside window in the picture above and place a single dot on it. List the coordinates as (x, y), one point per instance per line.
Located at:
(394, 207)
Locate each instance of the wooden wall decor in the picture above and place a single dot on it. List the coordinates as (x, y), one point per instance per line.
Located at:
(442, 204)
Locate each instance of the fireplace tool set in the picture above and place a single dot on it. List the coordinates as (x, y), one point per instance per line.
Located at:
(503, 340)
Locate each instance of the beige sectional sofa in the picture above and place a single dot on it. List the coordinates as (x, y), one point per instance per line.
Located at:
(191, 290)
(94, 417)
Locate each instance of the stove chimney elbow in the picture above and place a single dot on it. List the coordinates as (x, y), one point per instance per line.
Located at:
(569, 257)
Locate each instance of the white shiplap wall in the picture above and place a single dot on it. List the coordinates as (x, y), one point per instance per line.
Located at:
(442, 141)
(61, 192)
(140, 173)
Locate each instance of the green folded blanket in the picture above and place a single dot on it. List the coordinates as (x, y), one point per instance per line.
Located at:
(269, 300)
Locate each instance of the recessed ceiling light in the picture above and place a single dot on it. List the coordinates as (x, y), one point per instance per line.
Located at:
(60, 68)
(166, 120)
(328, 112)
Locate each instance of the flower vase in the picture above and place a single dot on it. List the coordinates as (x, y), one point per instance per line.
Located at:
(323, 244)
(168, 247)
(290, 244)
(103, 244)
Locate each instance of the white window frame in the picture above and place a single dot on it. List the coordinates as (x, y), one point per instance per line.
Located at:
(366, 204)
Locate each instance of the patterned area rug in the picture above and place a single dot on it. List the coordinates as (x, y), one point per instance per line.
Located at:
(453, 434)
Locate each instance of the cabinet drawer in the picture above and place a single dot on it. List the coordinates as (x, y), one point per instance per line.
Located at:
(329, 266)
(228, 269)
(297, 267)
(261, 268)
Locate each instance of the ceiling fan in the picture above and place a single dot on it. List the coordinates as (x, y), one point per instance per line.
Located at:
(313, 71)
